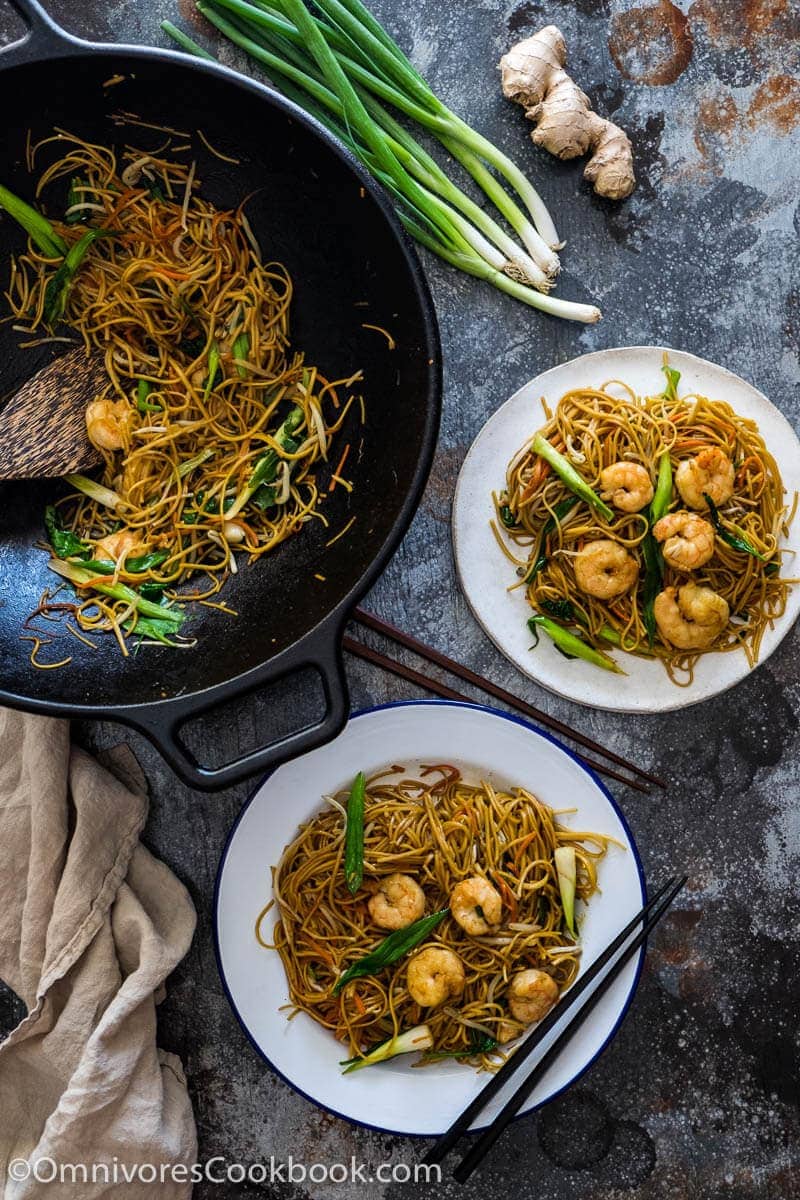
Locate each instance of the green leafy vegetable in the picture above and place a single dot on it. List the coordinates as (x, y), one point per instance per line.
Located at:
(266, 468)
(136, 566)
(58, 287)
(393, 947)
(568, 475)
(507, 517)
(354, 835)
(733, 537)
(37, 227)
(479, 1043)
(64, 542)
(157, 631)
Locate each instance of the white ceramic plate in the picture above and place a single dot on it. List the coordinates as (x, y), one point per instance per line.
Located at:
(486, 573)
(485, 744)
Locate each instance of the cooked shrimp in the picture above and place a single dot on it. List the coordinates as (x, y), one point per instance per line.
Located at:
(688, 540)
(399, 901)
(476, 905)
(117, 545)
(627, 485)
(434, 975)
(605, 569)
(690, 617)
(710, 472)
(105, 420)
(531, 995)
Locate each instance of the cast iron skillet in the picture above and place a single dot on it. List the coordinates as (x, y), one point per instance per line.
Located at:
(318, 212)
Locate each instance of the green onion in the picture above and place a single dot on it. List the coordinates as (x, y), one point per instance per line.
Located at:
(673, 378)
(564, 610)
(75, 196)
(393, 947)
(241, 349)
(58, 287)
(737, 540)
(136, 566)
(570, 644)
(418, 1038)
(80, 576)
(267, 466)
(566, 870)
(651, 551)
(187, 467)
(479, 1043)
(37, 227)
(157, 631)
(354, 835)
(143, 389)
(64, 542)
(343, 68)
(95, 491)
(568, 475)
(559, 512)
(185, 42)
(213, 367)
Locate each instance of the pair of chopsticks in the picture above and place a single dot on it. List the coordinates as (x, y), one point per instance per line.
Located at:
(653, 911)
(637, 779)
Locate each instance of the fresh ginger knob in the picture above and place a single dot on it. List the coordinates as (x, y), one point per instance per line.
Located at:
(533, 75)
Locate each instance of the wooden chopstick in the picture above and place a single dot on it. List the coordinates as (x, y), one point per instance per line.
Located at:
(359, 650)
(656, 906)
(378, 625)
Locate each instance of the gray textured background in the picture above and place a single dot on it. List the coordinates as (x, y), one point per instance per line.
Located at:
(697, 1097)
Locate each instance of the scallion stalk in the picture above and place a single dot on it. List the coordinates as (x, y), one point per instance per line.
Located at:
(568, 475)
(94, 490)
(354, 835)
(37, 227)
(80, 576)
(571, 645)
(341, 66)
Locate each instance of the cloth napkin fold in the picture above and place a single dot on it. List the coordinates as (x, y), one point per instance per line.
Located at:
(91, 924)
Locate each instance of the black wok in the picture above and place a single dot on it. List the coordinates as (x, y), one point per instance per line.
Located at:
(315, 210)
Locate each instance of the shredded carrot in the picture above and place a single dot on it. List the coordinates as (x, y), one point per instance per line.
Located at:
(743, 469)
(338, 471)
(359, 1003)
(508, 896)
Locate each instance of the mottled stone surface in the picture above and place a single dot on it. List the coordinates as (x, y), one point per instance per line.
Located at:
(697, 1097)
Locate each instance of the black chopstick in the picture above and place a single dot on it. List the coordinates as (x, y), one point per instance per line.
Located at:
(378, 625)
(441, 1147)
(387, 663)
(487, 1139)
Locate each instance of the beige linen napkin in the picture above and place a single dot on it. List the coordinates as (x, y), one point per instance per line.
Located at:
(90, 926)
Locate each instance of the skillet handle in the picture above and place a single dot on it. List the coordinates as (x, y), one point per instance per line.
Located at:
(163, 727)
(44, 36)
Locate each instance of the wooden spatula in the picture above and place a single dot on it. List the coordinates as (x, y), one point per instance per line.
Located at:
(43, 426)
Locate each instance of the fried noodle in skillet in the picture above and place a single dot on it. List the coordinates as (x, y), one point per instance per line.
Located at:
(439, 830)
(205, 393)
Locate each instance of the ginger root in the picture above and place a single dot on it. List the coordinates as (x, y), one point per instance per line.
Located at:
(533, 75)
